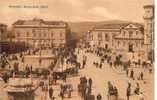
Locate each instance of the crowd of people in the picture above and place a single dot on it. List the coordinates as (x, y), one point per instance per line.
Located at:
(69, 56)
(116, 62)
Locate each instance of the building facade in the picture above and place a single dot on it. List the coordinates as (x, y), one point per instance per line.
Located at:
(148, 24)
(3, 32)
(130, 38)
(39, 33)
(122, 38)
(149, 31)
(103, 35)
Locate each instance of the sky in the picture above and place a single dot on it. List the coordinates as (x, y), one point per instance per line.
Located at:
(73, 10)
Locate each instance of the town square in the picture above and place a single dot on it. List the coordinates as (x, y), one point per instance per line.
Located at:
(44, 59)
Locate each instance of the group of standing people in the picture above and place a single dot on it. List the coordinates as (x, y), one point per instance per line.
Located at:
(136, 91)
(131, 74)
(112, 91)
(85, 88)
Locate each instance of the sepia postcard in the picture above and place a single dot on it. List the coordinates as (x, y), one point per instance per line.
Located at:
(77, 50)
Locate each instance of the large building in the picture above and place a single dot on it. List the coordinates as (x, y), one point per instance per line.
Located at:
(38, 32)
(149, 24)
(130, 38)
(149, 31)
(3, 32)
(103, 35)
(119, 37)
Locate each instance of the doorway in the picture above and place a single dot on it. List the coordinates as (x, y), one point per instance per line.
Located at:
(131, 49)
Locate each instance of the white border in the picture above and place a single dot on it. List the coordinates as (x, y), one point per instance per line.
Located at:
(155, 42)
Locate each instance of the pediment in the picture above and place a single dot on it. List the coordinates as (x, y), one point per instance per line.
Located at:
(131, 26)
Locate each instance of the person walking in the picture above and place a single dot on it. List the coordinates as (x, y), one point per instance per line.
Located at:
(128, 92)
(51, 93)
(115, 92)
(127, 72)
(141, 75)
(132, 74)
(100, 65)
(137, 89)
(64, 77)
(90, 83)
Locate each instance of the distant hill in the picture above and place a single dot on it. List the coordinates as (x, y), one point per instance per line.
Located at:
(80, 28)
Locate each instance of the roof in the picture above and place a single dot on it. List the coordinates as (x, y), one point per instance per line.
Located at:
(38, 22)
(148, 6)
(110, 26)
(4, 25)
(116, 25)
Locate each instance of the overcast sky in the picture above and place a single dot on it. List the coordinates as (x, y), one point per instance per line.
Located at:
(73, 10)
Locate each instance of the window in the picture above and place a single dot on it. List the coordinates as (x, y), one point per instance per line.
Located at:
(136, 32)
(123, 33)
(106, 37)
(34, 34)
(33, 30)
(118, 43)
(27, 34)
(34, 41)
(92, 37)
(123, 43)
(61, 35)
(39, 34)
(136, 44)
(52, 34)
(148, 11)
(130, 34)
(45, 35)
(100, 36)
(106, 46)
(130, 48)
(112, 42)
(142, 43)
(18, 34)
(62, 40)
